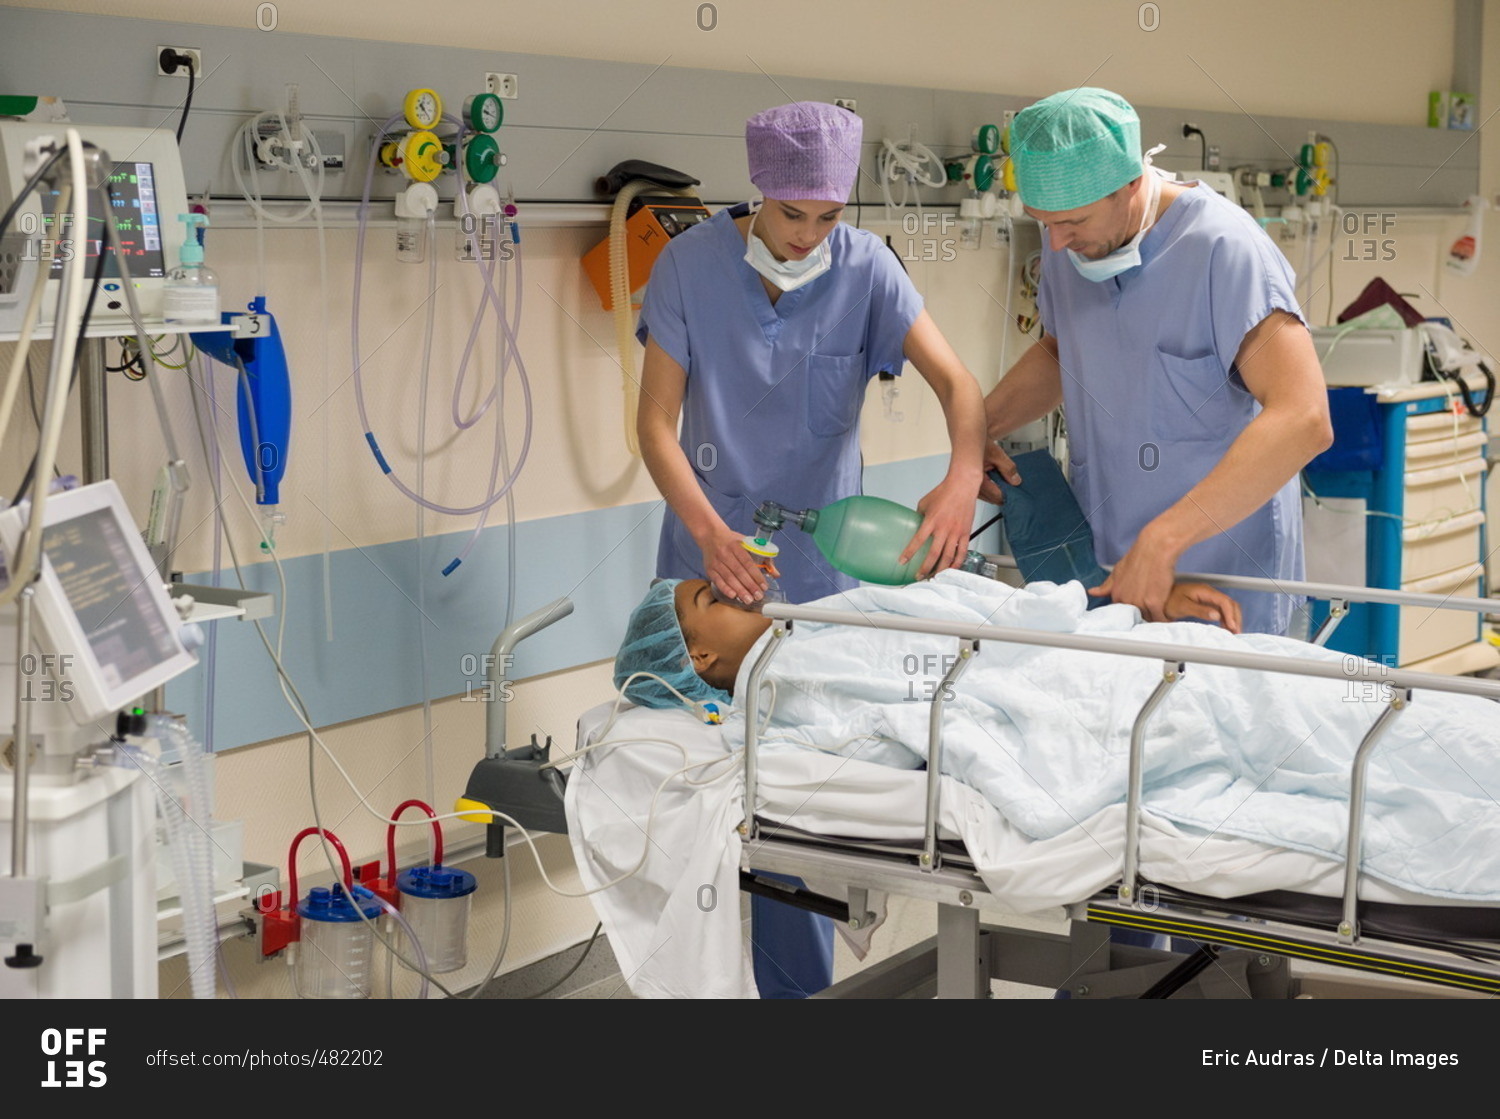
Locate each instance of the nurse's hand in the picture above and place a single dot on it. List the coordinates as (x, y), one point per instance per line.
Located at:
(1144, 577)
(1206, 603)
(731, 568)
(947, 518)
(996, 459)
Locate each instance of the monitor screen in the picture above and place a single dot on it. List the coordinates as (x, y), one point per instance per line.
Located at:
(110, 595)
(147, 196)
(132, 191)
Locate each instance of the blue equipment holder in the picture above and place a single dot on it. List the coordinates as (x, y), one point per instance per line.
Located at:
(263, 442)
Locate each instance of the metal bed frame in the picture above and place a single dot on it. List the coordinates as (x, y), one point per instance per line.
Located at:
(1243, 947)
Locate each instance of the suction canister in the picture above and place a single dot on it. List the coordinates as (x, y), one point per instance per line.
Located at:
(435, 901)
(333, 960)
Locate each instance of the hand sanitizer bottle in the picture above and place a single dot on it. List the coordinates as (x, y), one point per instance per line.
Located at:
(191, 293)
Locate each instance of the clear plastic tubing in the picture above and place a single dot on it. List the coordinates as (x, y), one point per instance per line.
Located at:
(359, 394)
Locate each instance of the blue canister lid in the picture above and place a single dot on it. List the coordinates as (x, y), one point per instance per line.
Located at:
(323, 904)
(436, 882)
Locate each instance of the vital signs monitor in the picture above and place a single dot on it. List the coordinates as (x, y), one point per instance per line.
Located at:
(146, 196)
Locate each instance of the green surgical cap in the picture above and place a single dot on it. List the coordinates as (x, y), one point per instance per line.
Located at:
(1074, 148)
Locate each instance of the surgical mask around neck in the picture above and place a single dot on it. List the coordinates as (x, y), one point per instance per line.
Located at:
(788, 275)
(1128, 255)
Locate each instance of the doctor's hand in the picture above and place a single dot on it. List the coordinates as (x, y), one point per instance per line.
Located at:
(996, 459)
(732, 569)
(947, 519)
(1144, 577)
(1206, 603)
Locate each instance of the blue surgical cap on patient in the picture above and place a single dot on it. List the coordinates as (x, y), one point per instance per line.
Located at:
(654, 643)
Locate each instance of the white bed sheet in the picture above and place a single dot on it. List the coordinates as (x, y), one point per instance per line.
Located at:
(672, 849)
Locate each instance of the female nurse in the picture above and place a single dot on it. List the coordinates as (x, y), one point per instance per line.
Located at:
(762, 328)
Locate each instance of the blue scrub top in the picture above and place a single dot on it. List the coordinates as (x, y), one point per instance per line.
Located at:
(774, 391)
(1152, 396)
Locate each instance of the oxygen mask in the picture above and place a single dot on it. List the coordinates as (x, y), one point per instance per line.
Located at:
(765, 553)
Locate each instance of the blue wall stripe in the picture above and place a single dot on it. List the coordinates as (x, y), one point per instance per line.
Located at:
(602, 560)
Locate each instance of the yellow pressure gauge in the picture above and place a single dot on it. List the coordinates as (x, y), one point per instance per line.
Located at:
(423, 108)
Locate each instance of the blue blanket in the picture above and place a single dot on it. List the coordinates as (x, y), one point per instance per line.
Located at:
(1044, 734)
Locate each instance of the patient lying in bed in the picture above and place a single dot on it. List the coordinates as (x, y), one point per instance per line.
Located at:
(716, 636)
(1044, 733)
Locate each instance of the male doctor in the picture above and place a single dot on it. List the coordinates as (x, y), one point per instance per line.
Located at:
(1190, 388)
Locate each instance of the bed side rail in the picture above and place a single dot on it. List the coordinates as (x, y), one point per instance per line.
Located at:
(1398, 685)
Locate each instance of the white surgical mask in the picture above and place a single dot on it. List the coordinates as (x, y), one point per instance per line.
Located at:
(788, 275)
(1128, 255)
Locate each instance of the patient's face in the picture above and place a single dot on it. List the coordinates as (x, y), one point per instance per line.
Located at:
(715, 626)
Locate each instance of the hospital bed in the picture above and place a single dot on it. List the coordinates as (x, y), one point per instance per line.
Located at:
(1251, 916)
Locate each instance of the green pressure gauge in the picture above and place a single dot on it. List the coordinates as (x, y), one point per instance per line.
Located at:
(986, 139)
(483, 112)
(482, 158)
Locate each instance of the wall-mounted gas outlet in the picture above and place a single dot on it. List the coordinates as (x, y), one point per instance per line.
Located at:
(502, 85)
(846, 103)
(169, 63)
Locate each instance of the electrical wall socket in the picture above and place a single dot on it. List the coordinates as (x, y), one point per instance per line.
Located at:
(502, 85)
(180, 71)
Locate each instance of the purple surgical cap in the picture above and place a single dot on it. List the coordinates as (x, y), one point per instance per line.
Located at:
(805, 150)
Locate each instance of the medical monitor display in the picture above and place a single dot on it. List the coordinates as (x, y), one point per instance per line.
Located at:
(146, 197)
(110, 596)
(101, 608)
(133, 202)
